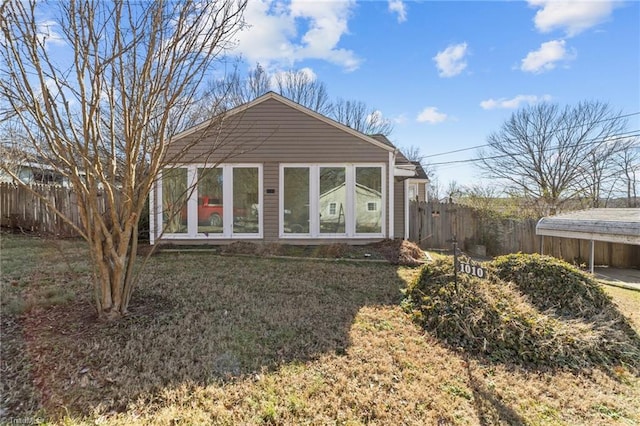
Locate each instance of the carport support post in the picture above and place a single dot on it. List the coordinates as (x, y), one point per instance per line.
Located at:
(591, 255)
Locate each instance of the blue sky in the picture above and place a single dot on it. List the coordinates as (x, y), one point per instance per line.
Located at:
(449, 73)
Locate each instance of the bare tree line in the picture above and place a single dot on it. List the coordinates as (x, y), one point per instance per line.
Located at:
(548, 158)
(301, 86)
(555, 155)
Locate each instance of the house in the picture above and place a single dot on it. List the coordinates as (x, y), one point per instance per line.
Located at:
(368, 208)
(280, 172)
(29, 169)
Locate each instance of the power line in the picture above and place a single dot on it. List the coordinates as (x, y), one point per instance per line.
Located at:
(495, 157)
(512, 140)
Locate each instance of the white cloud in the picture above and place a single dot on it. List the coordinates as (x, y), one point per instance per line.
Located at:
(546, 58)
(400, 119)
(272, 36)
(514, 102)
(398, 6)
(451, 61)
(572, 16)
(47, 33)
(431, 115)
(308, 73)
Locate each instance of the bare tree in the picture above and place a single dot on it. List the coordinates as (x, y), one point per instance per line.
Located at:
(302, 87)
(103, 118)
(231, 91)
(598, 174)
(627, 162)
(415, 154)
(542, 151)
(12, 149)
(482, 197)
(358, 116)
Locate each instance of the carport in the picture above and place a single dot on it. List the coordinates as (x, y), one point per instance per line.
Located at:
(609, 225)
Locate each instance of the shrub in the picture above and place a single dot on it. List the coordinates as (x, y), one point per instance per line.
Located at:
(494, 318)
(553, 284)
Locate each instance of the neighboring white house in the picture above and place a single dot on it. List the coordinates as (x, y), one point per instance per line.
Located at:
(368, 203)
(32, 172)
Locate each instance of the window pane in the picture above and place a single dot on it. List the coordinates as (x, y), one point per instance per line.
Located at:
(368, 200)
(174, 201)
(210, 200)
(245, 200)
(332, 200)
(296, 200)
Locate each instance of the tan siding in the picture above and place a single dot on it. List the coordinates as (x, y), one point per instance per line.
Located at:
(272, 131)
(271, 174)
(398, 211)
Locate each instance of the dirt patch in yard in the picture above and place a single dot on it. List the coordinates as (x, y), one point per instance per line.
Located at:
(396, 252)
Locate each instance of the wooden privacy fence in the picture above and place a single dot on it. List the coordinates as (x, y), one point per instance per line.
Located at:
(433, 225)
(21, 209)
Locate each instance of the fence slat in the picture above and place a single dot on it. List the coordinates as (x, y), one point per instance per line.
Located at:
(439, 222)
(20, 209)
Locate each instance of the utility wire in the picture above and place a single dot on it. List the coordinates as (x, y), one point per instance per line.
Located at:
(551, 148)
(512, 140)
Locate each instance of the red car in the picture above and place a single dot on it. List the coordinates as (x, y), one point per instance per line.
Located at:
(209, 211)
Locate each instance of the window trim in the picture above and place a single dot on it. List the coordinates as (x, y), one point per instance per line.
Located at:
(227, 200)
(314, 201)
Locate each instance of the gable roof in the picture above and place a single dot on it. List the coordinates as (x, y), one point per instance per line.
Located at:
(400, 158)
(420, 173)
(274, 96)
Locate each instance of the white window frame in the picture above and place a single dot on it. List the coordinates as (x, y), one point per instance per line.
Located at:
(314, 201)
(159, 219)
(227, 200)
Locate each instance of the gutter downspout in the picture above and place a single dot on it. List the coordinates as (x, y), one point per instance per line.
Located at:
(406, 210)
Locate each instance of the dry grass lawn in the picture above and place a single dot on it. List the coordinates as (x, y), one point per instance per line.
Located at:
(237, 340)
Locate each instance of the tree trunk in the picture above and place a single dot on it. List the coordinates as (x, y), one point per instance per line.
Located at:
(113, 279)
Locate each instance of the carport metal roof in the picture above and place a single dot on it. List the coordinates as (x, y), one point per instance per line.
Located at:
(611, 225)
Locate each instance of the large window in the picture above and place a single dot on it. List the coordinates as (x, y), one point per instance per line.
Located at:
(332, 200)
(174, 201)
(296, 200)
(368, 192)
(245, 200)
(211, 202)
